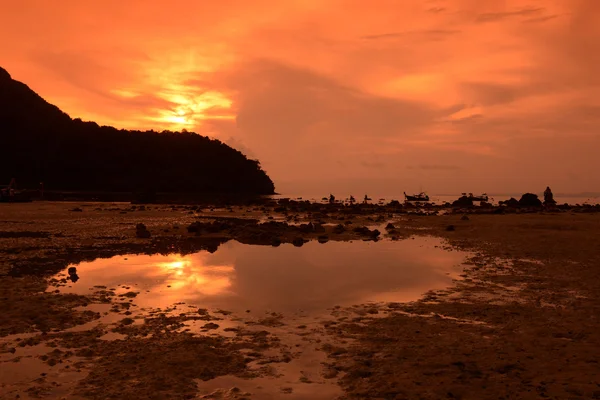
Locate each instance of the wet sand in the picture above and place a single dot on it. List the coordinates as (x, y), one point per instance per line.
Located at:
(521, 324)
(531, 331)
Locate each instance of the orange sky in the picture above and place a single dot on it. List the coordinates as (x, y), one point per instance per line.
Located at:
(336, 95)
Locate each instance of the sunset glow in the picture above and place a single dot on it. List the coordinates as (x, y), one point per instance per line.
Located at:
(378, 88)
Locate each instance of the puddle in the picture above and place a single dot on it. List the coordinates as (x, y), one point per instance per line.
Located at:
(284, 279)
(24, 375)
(294, 293)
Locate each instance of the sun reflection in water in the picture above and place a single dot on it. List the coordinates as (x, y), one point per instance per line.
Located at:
(243, 277)
(193, 274)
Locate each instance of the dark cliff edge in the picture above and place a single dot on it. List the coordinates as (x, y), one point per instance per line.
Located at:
(40, 143)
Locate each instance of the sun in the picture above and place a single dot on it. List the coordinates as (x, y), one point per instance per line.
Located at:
(191, 109)
(188, 107)
(176, 120)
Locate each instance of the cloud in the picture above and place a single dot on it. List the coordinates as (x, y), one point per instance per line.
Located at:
(539, 19)
(436, 10)
(282, 102)
(489, 93)
(373, 164)
(432, 34)
(434, 167)
(238, 145)
(474, 118)
(499, 16)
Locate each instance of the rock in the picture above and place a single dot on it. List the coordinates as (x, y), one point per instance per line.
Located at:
(298, 242)
(339, 229)
(363, 230)
(323, 239)
(276, 242)
(72, 270)
(371, 234)
(450, 228)
(512, 202)
(549, 198)
(530, 200)
(464, 217)
(76, 209)
(318, 227)
(307, 228)
(142, 232)
(390, 226)
(194, 227)
(463, 201)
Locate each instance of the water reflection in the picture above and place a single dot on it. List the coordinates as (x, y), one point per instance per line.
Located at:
(287, 278)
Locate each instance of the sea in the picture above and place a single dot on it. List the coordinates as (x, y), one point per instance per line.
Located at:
(561, 198)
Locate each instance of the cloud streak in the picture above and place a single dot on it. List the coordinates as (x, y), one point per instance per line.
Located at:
(498, 16)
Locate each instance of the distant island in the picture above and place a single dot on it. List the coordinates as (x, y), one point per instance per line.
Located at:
(41, 143)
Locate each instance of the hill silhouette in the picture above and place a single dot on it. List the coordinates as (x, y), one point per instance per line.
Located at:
(41, 143)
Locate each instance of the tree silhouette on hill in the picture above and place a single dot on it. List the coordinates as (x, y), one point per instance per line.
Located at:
(41, 143)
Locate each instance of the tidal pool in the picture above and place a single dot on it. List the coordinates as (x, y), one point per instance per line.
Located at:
(313, 277)
(292, 293)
